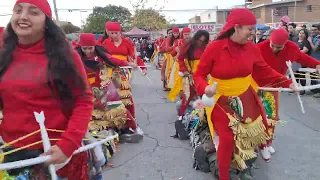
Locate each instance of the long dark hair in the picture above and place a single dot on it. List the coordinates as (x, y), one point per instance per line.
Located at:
(105, 36)
(227, 34)
(100, 52)
(62, 75)
(172, 39)
(193, 42)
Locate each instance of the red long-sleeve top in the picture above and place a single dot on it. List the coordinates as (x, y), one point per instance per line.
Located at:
(96, 73)
(177, 43)
(290, 52)
(157, 43)
(225, 59)
(24, 89)
(166, 47)
(126, 48)
(197, 53)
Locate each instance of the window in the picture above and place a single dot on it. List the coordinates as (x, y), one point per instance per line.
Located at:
(309, 8)
(280, 11)
(257, 13)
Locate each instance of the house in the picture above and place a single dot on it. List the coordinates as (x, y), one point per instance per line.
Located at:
(269, 11)
(195, 19)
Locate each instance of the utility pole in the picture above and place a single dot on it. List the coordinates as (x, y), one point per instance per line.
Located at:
(295, 10)
(56, 11)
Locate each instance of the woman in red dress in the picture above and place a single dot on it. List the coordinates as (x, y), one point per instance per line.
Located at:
(167, 47)
(185, 36)
(115, 116)
(123, 49)
(39, 71)
(189, 59)
(237, 116)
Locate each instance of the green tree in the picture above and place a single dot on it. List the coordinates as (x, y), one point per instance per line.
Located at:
(149, 19)
(95, 22)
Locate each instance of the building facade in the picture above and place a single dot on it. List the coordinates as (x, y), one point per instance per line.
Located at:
(271, 11)
(195, 19)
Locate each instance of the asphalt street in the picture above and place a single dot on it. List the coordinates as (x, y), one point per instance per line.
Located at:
(160, 157)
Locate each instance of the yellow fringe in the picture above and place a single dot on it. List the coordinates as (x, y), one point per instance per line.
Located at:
(124, 93)
(127, 102)
(247, 138)
(125, 85)
(109, 115)
(117, 122)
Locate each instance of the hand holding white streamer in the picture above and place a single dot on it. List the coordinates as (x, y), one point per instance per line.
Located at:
(45, 140)
(43, 159)
(289, 64)
(209, 101)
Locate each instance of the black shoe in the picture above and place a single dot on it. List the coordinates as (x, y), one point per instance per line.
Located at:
(130, 138)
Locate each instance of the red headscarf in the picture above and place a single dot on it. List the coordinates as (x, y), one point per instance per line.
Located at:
(41, 4)
(185, 30)
(87, 39)
(279, 36)
(114, 26)
(107, 25)
(239, 16)
(175, 29)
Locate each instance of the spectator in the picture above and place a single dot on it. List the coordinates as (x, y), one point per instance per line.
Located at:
(259, 37)
(315, 45)
(292, 32)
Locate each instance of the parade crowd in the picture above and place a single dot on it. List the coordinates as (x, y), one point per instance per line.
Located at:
(84, 89)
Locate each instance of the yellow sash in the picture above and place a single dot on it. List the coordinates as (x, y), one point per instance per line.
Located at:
(91, 79)
(169, 66)
(178, 79)
(230, 87)
(154, 56)
(121, 57)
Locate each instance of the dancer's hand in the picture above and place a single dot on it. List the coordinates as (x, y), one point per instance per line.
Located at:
(177, 49)
(144, 72)
(210, 91)
(57, 156)
(293, 87)
(318, 68)
(133, 65)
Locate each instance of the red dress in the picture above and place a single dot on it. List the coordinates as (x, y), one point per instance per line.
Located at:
(238, 115)
(125, 52)
(24, 89)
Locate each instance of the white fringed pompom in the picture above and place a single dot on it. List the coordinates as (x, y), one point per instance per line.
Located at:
(208, 102)
(181, 74)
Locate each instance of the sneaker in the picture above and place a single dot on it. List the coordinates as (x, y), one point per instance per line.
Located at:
(265, 154)
(316, 95)
(271, 150)
(139, 131)
(130, 138)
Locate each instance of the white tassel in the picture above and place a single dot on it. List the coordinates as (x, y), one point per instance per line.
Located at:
(209, 101)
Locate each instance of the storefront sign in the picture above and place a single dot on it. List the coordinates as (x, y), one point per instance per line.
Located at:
(206, 27)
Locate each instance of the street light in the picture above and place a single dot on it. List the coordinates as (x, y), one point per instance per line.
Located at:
(81, 17)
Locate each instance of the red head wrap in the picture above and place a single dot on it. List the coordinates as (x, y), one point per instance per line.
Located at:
(175, 29)
(87, 39)
(41, 4)
(107, 25)
(185, 30)
(239, 16)
(114, 26)
(279, 36)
